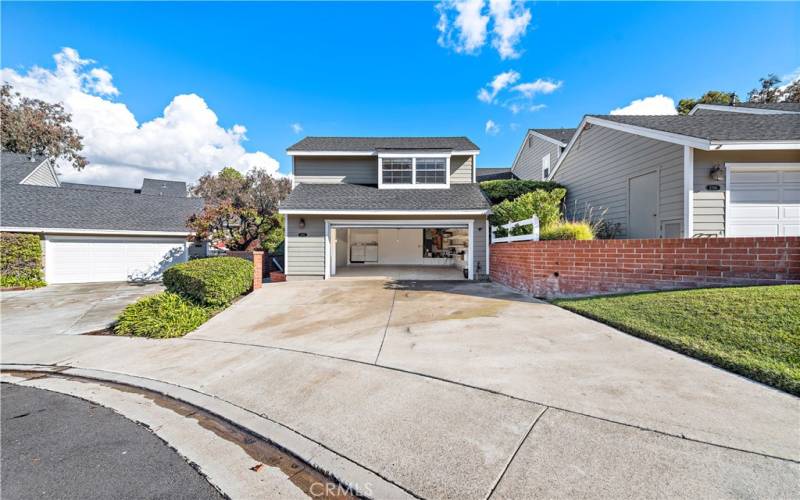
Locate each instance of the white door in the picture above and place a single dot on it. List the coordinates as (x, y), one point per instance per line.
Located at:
(88, 259)
(643, 206)
(764, 200)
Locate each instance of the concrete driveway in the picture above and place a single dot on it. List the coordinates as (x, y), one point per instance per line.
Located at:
(68, 309)
(466, 390)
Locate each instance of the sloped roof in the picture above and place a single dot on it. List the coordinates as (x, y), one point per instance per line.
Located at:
(62, 207)
(719, 126)
(14, 167)
(370, 198)
(369, 144)
(493, 174)
(159, 187)
(562, 135)
(778, 106)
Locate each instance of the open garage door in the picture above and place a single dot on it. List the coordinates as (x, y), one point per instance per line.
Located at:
(88, 259)
(415, 250)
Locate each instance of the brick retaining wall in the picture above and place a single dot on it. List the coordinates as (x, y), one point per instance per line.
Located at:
(576, 268)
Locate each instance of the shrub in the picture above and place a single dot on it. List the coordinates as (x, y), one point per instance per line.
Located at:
(546, 205)
(20, 260)
(567, 231)
(213, 282)
(163, 315)
(510, 189)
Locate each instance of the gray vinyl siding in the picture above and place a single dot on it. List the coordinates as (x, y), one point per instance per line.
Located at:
(597, 168)
(709, 205)
(460, 169)
(42, 176)
(528, 164)
(305, 255)
(336, 170)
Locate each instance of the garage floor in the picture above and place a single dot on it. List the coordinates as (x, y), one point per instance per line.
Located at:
(399, 273)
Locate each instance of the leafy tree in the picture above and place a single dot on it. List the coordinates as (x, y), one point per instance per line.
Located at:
(710, 97)
(240, 210)
(792, 92)
(34, 127)
(769, 91)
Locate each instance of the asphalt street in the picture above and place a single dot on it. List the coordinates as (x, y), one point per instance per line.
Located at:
(58, 446)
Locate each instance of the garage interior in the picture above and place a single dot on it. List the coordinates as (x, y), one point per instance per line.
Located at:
(423, 253)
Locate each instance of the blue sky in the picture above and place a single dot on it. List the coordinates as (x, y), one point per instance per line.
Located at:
(377, 69)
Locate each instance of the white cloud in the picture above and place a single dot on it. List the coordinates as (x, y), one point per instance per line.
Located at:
(538, 86)
(511, 20)
(182, 144)
(498, 83)
(463, 25)
(296, 128)
(654, 105)
(464, 32)
(491, 128)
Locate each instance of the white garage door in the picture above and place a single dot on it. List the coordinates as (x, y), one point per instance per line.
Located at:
(85, 259)
(764, 200)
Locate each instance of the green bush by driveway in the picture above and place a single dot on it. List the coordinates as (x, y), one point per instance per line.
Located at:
(211, 282)
(163, 315)
(20, 260)
(752, 331)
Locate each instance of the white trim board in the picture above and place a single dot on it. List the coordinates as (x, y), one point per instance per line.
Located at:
(688, 192)
(525, 141)
(383, 212)
(98, 232)
(742, 109)
(381, 152)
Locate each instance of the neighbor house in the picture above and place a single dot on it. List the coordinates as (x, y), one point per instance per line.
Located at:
(540, 150)
(494, 174)
(397, 206)
(94, 233)
(721, 171)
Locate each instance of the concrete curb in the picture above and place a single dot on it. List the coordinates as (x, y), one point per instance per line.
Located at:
(350, 474)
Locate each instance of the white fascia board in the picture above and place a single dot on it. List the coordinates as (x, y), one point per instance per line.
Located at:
(331, 153)
(384, 212)
(754, 146)
(739, 109)
(546, 138)
(415, 152)
(109, 232)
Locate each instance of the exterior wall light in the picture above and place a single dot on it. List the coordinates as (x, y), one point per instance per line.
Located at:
(302, 224)
(717, 173)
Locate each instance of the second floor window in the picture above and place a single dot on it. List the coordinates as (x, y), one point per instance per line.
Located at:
(431, 171)
(397, 170)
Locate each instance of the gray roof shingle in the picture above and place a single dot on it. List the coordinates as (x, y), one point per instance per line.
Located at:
(493, 174)
(159, 187)
(560, 134)
(76, 208)
(357, 197)
(364, 144)
(14, 167)
(779, 106)
(720, 126)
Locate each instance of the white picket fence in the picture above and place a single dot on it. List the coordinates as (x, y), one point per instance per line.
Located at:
(534, 235)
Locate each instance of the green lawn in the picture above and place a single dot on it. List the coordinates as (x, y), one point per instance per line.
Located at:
(753, 331)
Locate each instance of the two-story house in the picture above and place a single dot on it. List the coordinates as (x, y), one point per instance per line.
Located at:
(402, 207)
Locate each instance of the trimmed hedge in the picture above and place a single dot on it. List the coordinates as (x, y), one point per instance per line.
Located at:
(163, 315)
(20, 260)
(510, 189)
(212, 282)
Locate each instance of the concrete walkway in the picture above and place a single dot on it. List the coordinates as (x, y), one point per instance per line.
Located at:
(467, 390)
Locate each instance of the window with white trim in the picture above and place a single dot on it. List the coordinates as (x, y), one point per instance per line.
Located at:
(431, 171)
(546, 166)
(397, 170)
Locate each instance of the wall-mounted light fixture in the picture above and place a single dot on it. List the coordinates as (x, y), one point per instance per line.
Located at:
(717, 173)
(301, 224)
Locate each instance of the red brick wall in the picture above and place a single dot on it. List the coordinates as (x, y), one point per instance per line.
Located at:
(575, 268)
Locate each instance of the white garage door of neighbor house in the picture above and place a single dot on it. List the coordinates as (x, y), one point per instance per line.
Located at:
(764, 201)
(84, 259)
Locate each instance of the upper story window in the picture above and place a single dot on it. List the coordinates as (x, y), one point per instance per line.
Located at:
(429, 171)
(546, 166)
(397, 170)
